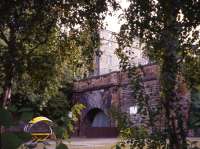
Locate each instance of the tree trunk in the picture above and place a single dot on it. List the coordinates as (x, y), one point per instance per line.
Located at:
(170, 101)
(9, 73)
(5, 99)
(10, 65)
(6, 95)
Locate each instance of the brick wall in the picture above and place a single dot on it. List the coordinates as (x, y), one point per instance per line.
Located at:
(116, 87)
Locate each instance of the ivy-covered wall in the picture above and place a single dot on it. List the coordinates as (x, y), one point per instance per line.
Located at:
(114, 89)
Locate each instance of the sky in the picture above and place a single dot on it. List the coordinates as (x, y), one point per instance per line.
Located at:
(113, 23)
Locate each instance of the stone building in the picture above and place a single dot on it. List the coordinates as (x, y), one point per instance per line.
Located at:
(111, 87)
(100, 93)
(108, 61)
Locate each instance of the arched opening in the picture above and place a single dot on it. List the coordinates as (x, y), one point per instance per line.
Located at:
(97, 118)
(97, 124)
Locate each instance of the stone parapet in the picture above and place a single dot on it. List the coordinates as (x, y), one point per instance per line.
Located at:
(116, 78)
(97, 82)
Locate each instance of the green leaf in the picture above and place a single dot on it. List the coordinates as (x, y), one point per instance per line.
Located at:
(59, 132)
(11, 141)
(5, 117)
(117, 146)
(26, 116)
(62, 146)
(25, 109)
(12, 108)
(24, 136)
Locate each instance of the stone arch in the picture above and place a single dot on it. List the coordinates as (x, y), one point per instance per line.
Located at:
(96, 117)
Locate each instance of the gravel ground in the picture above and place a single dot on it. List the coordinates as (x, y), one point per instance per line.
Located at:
(97, 143)
(84, 143)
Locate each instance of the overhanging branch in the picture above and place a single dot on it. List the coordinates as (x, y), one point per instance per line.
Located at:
(3, 37)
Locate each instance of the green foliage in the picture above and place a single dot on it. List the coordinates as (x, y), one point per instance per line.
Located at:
(26, 109)
(59, 103)
(5, 118)
(59, 132)
(190, 69)
(76, 111)
(62, 146)
(41, 41)
(137, 137)
(117, 146)
(37, 56)
(171, 39)
(122, 118)
(26, 116)
(64, 131)
(11, 141)
(142, 97)
(147, 134)
(195, 109)
(24, 136)
(140, 138)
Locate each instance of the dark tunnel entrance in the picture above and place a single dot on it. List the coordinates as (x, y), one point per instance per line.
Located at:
(98, 124)
(97, 118)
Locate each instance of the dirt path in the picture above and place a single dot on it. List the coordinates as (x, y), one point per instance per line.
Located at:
(84, 143)
(100, 143)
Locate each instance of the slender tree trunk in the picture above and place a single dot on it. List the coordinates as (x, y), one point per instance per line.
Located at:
(9, 73)
(10, 65)
(6, 94)
(5, 99)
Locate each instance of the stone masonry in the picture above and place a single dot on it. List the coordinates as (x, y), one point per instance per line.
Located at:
(113, 89)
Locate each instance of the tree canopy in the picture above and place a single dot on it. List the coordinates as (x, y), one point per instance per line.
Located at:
(169, 30)
(36, 38)
(43, 45)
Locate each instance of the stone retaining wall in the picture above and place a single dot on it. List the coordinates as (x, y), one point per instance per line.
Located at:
(114, 89)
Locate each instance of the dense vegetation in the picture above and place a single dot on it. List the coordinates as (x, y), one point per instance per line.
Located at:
(170, 31)
(43, 46)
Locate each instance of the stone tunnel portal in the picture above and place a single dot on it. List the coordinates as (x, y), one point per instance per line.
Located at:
(97, 118)
(96, 124)
(100, 93)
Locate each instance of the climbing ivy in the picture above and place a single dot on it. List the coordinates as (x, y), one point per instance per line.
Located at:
(147, 134)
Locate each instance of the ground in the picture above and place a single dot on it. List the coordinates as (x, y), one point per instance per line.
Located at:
(85, 143)
(98, 143)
